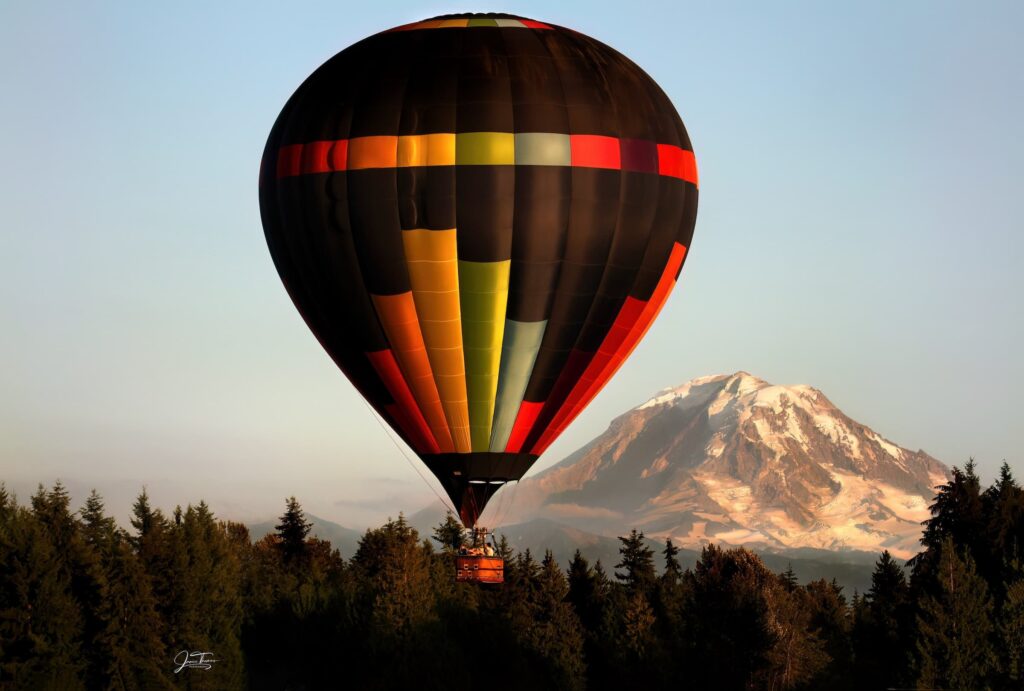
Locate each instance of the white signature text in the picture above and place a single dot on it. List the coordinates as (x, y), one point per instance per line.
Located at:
(193, 660)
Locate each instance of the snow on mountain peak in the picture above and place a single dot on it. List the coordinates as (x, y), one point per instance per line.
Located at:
(717, 386)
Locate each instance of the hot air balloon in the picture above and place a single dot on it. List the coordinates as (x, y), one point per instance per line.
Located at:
(479, 217)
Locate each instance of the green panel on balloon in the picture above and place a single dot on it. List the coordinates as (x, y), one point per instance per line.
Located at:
(485, 149)
(483, 296)
(518, 353)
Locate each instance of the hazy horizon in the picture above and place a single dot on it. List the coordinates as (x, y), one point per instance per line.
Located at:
(859, 231)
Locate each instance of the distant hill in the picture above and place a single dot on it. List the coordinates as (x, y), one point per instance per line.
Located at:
(851, 569)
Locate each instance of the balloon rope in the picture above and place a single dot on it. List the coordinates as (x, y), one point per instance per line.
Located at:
(499, 514)
(500, 508)
(506, 506)
(373, 413)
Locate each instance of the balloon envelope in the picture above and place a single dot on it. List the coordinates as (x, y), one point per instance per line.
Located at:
(479, 216)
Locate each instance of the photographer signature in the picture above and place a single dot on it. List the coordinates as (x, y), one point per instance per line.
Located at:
(193, 660)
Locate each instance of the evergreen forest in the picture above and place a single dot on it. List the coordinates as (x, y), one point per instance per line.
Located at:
(86, 604)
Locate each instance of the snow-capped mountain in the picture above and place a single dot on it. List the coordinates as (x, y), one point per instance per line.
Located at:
(733, 459)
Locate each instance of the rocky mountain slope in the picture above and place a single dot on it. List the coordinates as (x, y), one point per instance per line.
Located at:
(733, 459)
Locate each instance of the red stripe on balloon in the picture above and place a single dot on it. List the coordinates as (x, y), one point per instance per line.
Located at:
(405, 411)
(594, 151)
(315, 157)
(339, 155)
(533, 24)
(677, 163)
(629, 328)
(528, 412)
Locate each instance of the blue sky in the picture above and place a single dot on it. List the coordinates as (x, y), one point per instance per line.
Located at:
(860, 230)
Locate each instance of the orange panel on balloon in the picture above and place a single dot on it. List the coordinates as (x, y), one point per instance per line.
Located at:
(397, 315)
(372, 152)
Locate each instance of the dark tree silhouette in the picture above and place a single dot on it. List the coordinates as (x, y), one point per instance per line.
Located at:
(637, 562)
(293, 531)
(955, 627)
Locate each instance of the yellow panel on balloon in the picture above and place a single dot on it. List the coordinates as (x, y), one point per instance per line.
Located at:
(432, 258)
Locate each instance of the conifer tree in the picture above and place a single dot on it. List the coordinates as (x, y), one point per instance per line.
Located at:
(545, 623)
(788, 578)
(395, 570)
(293, 530)
(1003, 505)
(51, 509)
(40, 620)
(92, 551)
(209, 615)
(504, 549)
(955, 627)
(797, 654)
(669, 602)
(449, 534)
(673, 571)
(957, 513)
(162, 557)
(82, 563)
(135, 657)
(832, 622)
(637, 562)
(883, 634)
(7, 504)
(728, 618)
(98, 529)
(1011, 633)
(638, 626)
(552, 581)
(582, 589)
(144, 519)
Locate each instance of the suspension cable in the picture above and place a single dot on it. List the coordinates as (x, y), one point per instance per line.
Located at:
(388, 431)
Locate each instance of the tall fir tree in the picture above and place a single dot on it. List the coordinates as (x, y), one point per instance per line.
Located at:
(955, 629)
(450, 534)
(293, 531)
(673, 572)
(556, 633)
(832, 622)
(581, 595)
(41, 623)
(1011, 633)
(958, 513)
(637, 563)
(1003, 505)
(98, 534)
(797, 654)
(883, 633)
(728, 619)
(135, 654)
(396, 573)
(210, 615)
